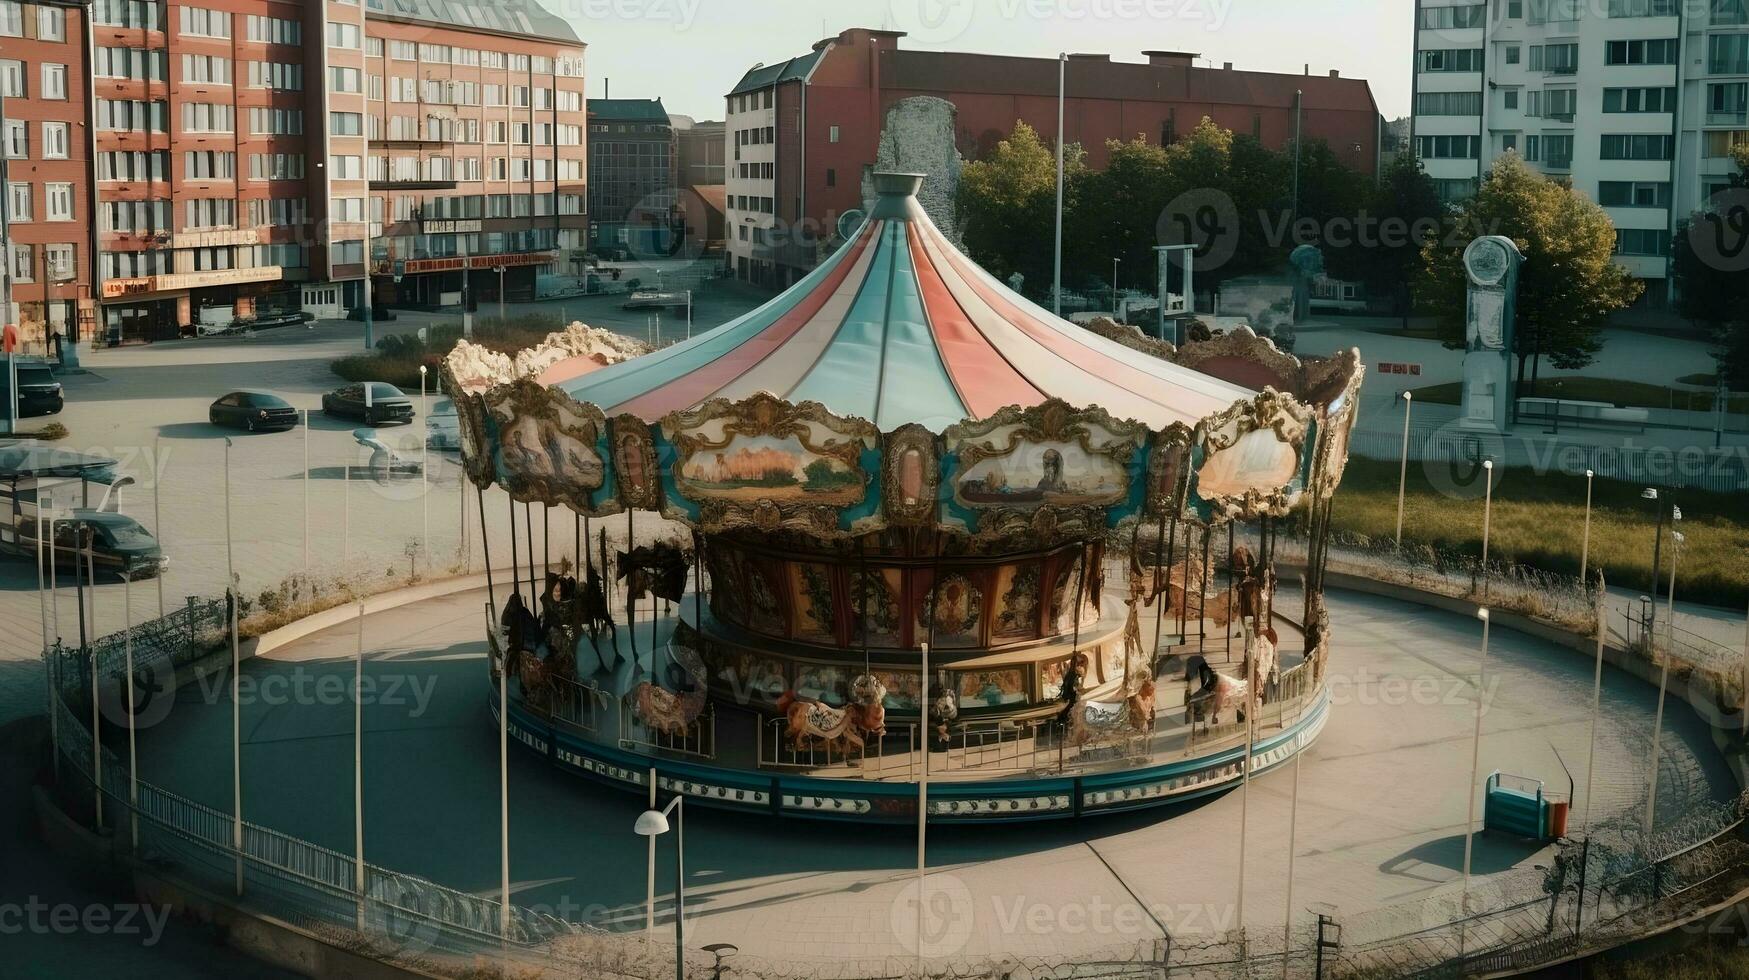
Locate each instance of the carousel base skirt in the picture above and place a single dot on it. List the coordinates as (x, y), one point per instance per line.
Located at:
(967, 784)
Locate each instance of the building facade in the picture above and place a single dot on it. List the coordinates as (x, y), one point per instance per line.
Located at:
(801, 132)
(632, 203)
(1637, 102)
(250, 155)
(47, 168)
(699, 151)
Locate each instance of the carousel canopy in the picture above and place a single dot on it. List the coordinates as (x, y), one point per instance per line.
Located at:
(899, 326)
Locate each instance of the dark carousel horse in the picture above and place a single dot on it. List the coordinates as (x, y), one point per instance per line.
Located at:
(1206, 689)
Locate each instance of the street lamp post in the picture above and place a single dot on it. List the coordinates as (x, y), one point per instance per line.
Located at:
(1114, 263)
(1585, 540)
(1487, 520)
(1403, 467)
(1676, 540)
(424, 478)
(500, 270)
(1475, 771)
(1651, 493)
(654, 823)
(1057, 276)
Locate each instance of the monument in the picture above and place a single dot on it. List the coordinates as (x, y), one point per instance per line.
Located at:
(1491, 266)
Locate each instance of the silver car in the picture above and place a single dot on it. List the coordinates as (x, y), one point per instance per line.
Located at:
(443, 430)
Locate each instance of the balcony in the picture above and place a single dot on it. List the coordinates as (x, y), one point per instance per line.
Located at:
(1729, 117)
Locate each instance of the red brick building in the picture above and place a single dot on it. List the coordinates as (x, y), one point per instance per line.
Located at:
(249, 154)
(47, 153)
(801, 131)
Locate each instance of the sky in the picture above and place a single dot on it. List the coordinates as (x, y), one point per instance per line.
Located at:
(690, 53)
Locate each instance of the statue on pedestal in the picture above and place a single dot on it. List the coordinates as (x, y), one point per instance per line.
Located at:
(1491, 266)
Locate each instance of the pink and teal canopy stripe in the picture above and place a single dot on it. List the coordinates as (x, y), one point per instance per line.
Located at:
(898, 326)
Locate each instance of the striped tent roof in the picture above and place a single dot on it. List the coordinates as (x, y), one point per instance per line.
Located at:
(898, 326)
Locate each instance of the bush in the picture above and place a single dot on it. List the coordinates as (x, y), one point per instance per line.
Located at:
(398, 356)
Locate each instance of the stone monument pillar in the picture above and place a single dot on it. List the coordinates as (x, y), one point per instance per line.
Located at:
(1491, 266)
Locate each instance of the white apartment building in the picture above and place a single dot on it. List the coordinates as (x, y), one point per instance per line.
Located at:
(1638, 102)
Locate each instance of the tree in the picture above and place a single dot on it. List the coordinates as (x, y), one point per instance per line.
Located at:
(1007, 204)
(1569, 283)
(1402, 214)
(1711, 283)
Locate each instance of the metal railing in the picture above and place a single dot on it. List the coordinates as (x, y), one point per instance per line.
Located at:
(696, 739)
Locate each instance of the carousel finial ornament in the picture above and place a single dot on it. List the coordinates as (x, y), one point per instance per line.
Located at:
(900, 449)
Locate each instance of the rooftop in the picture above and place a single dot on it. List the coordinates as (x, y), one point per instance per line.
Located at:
(629, 110)
(525, 18)
(765, 76)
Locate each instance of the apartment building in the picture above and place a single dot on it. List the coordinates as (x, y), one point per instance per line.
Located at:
(46, 161)
(802, 130)
(1637, 102)
(250, 154)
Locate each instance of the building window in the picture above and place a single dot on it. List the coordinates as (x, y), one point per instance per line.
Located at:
(16, 139)
(1639, 100)
(1449, 147)
(1557, 59)
(343, 36)
(58, 201)
(275, 30)
(1558, 151)
(207, 117)
(283, 76)
(1508, 142)
(206, 69)
(130, 63)
(1452, 59)
(18, 201)
(133, 165)
(209, 165)
(1636, 147)
(1642, 241)
(1657, 51)
(1511, 97)
(345, 167)
(198, 22)
(57, 140)
(1728, 13)
(51, 23)
(11, 18)
(1722, 144)
(1449, 104)
(12, 79)
(1727, 103)
(1514, 54)
(831, 177)
(126, 13)
(58, 262)
(54, 81)
(1633, 194)
(1452, 18)
(23, 263)
(1728, 54)
(346, 123)
(210, 212)
(1643, 8)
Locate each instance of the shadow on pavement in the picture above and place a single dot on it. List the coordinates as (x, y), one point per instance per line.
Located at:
(1491, 853)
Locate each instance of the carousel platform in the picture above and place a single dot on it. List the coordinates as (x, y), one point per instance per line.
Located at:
(737, 756)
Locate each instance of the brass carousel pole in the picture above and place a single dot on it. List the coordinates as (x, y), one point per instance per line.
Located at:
(528, 530)
(1202, 596)
(1232, 580)
(1162, 559)
(631, 600)
(515, 559)
(546, 537)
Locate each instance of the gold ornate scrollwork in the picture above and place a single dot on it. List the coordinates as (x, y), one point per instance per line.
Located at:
(470, 411)
(1244, 344)
(1270, 412)
(910, 476)
(1168, 466)
(1337, 429)
(636, 475)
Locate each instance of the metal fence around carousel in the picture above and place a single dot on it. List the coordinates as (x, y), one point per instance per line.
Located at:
(1609, 884)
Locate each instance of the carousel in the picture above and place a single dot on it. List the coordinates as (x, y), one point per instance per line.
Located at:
(901, 525)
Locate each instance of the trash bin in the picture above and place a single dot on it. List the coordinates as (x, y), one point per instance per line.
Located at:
(1557, 810)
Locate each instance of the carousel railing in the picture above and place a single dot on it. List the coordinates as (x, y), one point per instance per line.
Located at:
(581, 705)
(872, 759)
(1033, 746)
(696, 739)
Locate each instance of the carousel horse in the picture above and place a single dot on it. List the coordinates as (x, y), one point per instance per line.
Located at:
(521, 629)
(1207, 689)
(1265, 663)
(673, 712)
(1247, 596)
(592, 611)
(1095, 721)
(944, 710)
(843, 729)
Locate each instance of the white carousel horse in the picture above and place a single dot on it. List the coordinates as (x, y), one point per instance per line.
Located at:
(1093, 721)
(1209, 690)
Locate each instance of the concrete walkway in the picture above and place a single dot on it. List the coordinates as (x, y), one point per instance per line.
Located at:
(1380, 825)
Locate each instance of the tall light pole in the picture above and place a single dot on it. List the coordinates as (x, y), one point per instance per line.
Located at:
(923, 803)
(1676, 541)
(424, 479)
(1585, 540)
(158, 469)
(1475, 771)
(501, 315)
(1487, 520)
(1601, 604)
(358, 769)
(653, 823)
(1403, 467)
(1114, 263)
(236, 600)
(1057, 279)
(1651, 493)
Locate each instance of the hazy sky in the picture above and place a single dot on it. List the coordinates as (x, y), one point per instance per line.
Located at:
(691, 52)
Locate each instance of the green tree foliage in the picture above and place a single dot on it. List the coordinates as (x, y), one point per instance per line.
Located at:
(1714, 291)
(1007, 204)
(1569, 283)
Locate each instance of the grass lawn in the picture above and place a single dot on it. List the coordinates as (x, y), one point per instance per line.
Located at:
(1712, 958)
(1623, 394)
(398, 356)
(1539, 521)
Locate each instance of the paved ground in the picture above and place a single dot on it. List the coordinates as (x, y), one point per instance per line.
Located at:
(1380, 825)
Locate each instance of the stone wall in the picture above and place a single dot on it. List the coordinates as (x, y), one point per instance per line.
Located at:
(918, 137)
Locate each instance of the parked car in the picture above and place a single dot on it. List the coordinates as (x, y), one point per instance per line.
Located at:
(387, 403)
(38, 391)
(119, 545)
(253, 411)
(443, 427)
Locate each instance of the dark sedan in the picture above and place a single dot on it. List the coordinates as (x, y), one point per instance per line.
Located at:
(38, 391)
(385, 403)
(253, 411)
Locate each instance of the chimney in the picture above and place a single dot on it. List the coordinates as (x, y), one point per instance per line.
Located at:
(1335, 73)
(1227, 66)
(1172, 59)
